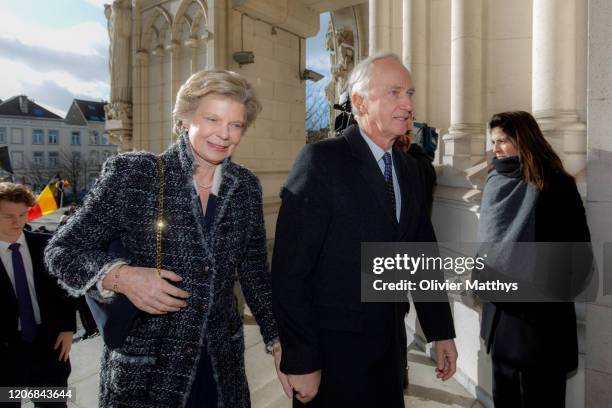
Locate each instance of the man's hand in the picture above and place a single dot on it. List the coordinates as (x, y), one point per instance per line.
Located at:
(282, 377)
(305, 385)
(446, 354)
(146, 290)
(64, 343)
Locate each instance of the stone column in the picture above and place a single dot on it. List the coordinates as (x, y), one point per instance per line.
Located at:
(175, 69)
(464, 145)
(385, 26)
(219, 45)
(415, 52)
(406, 34)
(119, 111)
(192, 43)
(374, 39)
(119, 18)
(598, 373)
(143, 140)
(554, 80)
(140, 76)
(156, 116)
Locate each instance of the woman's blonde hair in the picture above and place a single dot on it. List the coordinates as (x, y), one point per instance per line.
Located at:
(214, 81)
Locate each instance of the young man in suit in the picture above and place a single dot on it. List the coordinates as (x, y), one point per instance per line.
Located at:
(338, 351)
(36, 316)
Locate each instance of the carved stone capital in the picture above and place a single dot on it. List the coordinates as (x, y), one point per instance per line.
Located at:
(122, 138)
(158, 51)
(118, 111)
(142, 55)
(191, 42)
(206, 35)
(172, 47)
(119, 124)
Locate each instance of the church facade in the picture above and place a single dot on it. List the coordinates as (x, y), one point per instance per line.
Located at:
(469, 59)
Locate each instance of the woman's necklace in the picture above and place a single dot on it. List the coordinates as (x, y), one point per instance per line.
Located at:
(205, 186)
(204, 163)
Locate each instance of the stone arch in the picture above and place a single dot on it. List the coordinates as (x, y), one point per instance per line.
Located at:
(158, 23)
(191, 32)
(200, 25)
(185, 11)
(185, 44)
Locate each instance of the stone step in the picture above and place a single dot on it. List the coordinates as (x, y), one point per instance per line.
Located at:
(271, 395)
(425, 390)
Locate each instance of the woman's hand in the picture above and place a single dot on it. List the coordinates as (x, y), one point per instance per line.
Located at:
(146, 290)
(282, 377)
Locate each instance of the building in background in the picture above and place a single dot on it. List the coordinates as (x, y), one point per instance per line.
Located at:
(42, 144)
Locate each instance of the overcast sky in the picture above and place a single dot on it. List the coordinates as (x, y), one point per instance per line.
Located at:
(317, 58)
(55, 51)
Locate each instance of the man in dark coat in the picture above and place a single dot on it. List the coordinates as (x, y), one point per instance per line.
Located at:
(338, 351)
(36, 316)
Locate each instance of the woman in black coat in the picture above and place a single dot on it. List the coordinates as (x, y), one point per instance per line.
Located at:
(186, 348)
(529, 197)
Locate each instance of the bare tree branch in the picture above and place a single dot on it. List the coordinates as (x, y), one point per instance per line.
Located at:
(73, 168)
(317, 106)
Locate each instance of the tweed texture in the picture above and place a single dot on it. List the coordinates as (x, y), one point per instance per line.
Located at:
(157, 364)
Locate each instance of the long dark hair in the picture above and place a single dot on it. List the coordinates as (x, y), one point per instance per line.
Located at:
(535, 153)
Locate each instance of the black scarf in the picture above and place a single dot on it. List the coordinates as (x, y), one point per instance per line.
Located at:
(507, 211)
(507, 216)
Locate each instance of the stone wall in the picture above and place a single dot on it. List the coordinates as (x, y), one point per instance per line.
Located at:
(173, 39)
(599, 201)
(469, 59)
(271, 145)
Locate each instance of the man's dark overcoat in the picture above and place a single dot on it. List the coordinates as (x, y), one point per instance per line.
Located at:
(334, 200)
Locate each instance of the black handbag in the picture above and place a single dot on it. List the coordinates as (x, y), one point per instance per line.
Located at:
(116, 317)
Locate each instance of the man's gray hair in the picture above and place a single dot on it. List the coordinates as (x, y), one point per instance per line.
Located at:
(359, 80)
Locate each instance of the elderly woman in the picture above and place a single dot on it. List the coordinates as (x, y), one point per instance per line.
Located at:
(187, 348)
(529, 197)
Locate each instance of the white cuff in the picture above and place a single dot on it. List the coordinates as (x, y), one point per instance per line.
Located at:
(106, 269)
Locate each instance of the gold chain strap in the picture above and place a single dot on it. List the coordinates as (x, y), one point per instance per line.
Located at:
(160, 216)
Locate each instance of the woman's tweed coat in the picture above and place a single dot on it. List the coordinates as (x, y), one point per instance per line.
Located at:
(157, 364)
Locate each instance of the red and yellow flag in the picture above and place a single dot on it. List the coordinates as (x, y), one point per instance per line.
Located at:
(45, 204)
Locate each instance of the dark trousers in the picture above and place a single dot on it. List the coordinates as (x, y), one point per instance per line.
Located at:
(33, 365)
(529, 388)
(204, 388)
(358, 371)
